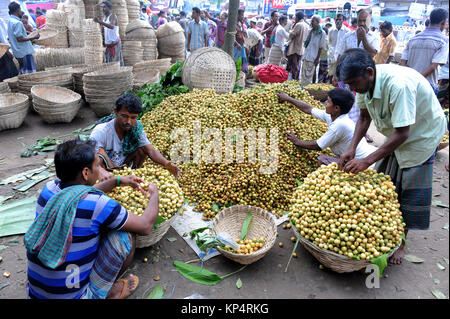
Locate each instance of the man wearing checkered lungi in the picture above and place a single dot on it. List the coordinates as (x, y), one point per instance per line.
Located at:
(405, 109)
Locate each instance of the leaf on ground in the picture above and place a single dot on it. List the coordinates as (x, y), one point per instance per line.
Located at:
(171, 239)
(437, 281)
(197, 274)
(157, 293)
(445, 259)
(239, 283)
(414, 259)
(440, 266)
(438, 203)
(438, 194)
(438, 294)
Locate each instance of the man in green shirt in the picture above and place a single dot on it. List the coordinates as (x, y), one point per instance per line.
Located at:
(405, 109)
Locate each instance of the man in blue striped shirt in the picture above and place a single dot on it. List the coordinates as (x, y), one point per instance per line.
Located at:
(197, 32)
(102, 238)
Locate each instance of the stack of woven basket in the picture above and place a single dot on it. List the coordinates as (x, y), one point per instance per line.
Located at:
(171, 41)
(13, 110)
(139, 30)
(55, 104)
(132, 52)
(103, 87)
(133, 8)
(4, 88)
(13, 84)
(162, 65)
(52, 57)
(60, 77)
(75, 13)
(92, 8)
(57, 20)
(47, 37)
(93, 42)
(210, 68)
(79, 71)
(119, 7)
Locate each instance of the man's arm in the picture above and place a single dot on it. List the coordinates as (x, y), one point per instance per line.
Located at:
(113, 21)
(158, 158)
(430, 69)
(309, 145)
(304, 107)
(188, 42)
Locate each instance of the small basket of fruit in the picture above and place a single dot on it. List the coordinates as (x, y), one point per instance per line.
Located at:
(319, 90)
(347, 221)
(444, 142)
(252, 227)
(170, 199)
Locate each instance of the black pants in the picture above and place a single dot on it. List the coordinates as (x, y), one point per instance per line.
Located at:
(7, 68)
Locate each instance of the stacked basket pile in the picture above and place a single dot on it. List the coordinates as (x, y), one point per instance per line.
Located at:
(210, 68)
(162, 65)
(119, 7)
(79, 71)
(103, 87)
(55, 104)
(171, 41)
(141, 78)
(47, 37)
(13, 84)
(133, 8)
(139, 30)
(57, 20)
(92, 8)
(60, 77)
(93, 42)
(13, 110)
(75, 13)
(132, 52)
(4, 88)
(53, 57)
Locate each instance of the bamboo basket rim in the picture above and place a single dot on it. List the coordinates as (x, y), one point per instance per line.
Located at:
(157, 234)
(59, 96)
(262, 215)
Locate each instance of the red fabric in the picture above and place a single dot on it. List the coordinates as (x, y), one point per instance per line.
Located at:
(40, 20)
(271, 73)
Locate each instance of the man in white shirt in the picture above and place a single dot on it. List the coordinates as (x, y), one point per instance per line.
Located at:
(340, 128)
(314, 44)
(335, 36)
(281, 37)
(255, 41)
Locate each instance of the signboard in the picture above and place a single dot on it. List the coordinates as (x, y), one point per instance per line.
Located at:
(266, 7)
(277, 4)
(416, 10)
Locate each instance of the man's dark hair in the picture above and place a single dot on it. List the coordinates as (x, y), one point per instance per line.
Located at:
(130, 102)
(353, 63)
(241, 11)
(427, 23)
(31, 10)
(38, 13)
(44, 10)
(328, 25)
(72, 157)
(342, 98)
(196, 9)
(438, 15)
(143, 9)
(182, 14)
(340, 15)
(368, 10)
(354, 21)
(300, 15)
(386, 25)
(25, 16)
(107, 3)
(273, 13)
(282, 19)
(13, 7)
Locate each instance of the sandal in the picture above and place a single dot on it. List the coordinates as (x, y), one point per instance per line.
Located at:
(125, 286)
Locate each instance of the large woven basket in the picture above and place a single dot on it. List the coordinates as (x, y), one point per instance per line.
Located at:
(210, 68)
(162, 65)
(141, 78)
(4, 88)
(13, 84)
(230, 220)
(61, 77)
(47, 37)
(13, 110)
(332, 260)
(320, 95)
(156, 234)
(442, 145)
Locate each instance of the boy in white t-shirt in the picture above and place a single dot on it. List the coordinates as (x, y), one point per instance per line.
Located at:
(340, 127)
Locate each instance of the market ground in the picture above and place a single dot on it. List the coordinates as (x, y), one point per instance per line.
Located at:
(263, 279)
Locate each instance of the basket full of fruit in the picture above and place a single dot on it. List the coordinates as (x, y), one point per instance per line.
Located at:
(319, 90)
(444, 142)
(252, 227)
(170, 199)
(347, 221)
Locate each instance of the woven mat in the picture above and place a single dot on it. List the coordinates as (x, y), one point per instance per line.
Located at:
(191, 220)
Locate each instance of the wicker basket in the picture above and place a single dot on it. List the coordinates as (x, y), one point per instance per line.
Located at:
(143, 78)
(3, 49)
(162, 65)
(13, 110)
(4, 88)
(47, 37)
(332, 260)
(171, 40)
(442, 146)
(61, 77)
(79, 72)
(210, 68)
(13, 84)
(320, 95)
(156, 234)
(230, 220)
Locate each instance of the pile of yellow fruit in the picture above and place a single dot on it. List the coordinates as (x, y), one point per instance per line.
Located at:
(353, 215)
(170, 194)
(445, 138)
(212, 185)
(319, 86)
(248, 246)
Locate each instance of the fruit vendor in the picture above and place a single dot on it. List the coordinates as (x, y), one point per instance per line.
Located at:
(405, 109)
(340, 126)
(122, 140)
(82, 241)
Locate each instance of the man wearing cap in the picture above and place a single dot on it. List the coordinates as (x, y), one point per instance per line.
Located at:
(113, 52)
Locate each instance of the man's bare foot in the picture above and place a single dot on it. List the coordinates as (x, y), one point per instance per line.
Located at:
(397, 257)
(123, 287)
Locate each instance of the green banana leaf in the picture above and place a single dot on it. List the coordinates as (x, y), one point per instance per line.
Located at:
(197, 274)
(246, 225)
(157, 293)
(16, 217)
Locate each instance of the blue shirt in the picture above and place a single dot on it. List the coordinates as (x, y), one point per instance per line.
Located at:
(95, 215)
(198, 31)
(17, 29)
